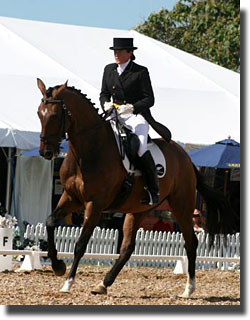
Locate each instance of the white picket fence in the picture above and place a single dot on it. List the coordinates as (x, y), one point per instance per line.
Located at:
(163, 248)
(102, 241)
(172, 244)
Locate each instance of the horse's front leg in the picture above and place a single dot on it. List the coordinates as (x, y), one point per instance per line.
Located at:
(91, 219)
(65, 206)
(130, 227)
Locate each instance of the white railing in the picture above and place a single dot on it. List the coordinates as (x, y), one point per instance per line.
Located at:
(155, 249)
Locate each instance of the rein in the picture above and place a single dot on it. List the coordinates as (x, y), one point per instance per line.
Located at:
(119, 127)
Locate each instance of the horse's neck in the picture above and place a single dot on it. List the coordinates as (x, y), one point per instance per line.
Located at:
(88, 133)
(94, 150)
(83, 113)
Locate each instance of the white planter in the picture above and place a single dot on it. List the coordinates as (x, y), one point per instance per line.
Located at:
(6, 239)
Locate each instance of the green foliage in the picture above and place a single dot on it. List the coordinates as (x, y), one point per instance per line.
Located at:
(209, 29)
(19, 244)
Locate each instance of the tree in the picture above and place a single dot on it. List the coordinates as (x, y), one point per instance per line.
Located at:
(209, 29)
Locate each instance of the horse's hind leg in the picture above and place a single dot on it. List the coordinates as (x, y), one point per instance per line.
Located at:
(65, 206)
(130, 227)
(183, 213)
(191, 244)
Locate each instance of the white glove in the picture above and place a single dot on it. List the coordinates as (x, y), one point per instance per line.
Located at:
(125, 109)
(108, 105)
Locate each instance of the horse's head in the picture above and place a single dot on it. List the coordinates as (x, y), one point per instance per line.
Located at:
(52, 113)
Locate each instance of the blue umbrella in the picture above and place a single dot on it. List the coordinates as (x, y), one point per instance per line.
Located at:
(35, 152)
(223, 154)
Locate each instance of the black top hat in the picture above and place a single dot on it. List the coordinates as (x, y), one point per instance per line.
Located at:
(123, 44)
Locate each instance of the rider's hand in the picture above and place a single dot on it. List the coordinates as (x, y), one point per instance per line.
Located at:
(125, 109)
(108, 105)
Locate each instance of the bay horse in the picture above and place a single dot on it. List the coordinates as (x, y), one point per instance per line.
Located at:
(93, 172)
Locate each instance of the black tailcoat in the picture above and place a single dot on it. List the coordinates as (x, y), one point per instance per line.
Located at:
(133, 86)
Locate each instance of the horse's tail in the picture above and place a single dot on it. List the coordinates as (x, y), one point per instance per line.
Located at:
(220, 216)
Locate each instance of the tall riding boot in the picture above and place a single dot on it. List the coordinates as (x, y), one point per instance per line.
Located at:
(148, 168)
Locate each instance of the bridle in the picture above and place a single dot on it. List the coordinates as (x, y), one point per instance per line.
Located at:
(65, 114)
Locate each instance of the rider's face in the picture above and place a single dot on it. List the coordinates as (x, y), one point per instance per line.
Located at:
(122, 56)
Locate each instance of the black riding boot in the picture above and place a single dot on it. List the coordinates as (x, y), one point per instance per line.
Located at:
(148, 168)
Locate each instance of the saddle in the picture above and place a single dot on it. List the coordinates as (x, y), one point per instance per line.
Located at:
(128, 145)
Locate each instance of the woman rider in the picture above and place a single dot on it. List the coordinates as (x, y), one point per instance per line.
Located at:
(127, 85)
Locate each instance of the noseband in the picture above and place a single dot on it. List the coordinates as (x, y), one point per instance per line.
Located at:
(62, 132)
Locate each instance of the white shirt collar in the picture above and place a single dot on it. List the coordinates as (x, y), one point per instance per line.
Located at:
(122, 67)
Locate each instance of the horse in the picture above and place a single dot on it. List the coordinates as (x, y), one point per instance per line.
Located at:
(92, 175)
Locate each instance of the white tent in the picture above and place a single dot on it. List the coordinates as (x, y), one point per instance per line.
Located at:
(33, 190)
(197, 100)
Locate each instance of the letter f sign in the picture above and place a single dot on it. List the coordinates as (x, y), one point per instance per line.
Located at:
(5, 240)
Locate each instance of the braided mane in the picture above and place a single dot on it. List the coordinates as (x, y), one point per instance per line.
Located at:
(78, 91)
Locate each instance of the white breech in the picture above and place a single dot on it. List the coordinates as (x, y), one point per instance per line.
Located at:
(139, 126)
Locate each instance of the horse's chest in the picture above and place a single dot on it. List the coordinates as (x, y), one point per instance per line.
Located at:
(75, 185)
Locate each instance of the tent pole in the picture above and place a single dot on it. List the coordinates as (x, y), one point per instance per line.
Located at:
(8, 183)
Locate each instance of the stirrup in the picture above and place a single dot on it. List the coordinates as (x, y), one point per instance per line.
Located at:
(150, 201)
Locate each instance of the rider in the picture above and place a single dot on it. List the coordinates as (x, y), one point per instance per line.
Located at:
(127, 86)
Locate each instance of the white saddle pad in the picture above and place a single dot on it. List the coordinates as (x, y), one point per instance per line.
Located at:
(156, 152)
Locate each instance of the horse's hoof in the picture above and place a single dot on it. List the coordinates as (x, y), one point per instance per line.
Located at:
(59, 268)
(189, 289)
(67, 285)
(185, 295)
(99, 289)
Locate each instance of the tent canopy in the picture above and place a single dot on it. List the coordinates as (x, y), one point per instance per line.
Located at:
(197, 100)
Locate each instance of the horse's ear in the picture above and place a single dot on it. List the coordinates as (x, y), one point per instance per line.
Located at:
(41, 86)
(60, 89)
